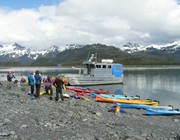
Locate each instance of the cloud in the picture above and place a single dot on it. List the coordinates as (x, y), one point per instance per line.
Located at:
(92, 21)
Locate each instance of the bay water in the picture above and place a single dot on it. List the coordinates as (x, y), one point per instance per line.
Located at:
(156, 83)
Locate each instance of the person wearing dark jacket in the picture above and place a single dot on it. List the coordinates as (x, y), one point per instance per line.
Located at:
(58, 83)
(1, 84)
(38, 80)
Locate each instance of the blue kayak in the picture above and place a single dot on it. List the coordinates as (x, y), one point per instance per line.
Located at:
(93, 95)
(140, 106)
(151, 111)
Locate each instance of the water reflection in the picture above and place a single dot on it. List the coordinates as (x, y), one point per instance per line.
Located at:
(23, 71)
(116, 89)
(158, 84)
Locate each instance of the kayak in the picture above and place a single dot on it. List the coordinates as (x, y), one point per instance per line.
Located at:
(130, 101)
(88, 90)
(66, 95)
(140, 106)
(93, 95)
(81, 97)
(82, 94)
(153, 111)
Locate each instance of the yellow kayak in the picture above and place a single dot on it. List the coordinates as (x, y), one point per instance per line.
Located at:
(112, 100)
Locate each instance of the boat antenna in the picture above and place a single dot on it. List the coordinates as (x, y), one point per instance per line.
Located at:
(88, 56)
(96, 57)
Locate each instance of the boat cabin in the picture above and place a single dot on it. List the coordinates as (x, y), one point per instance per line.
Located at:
(105, 68)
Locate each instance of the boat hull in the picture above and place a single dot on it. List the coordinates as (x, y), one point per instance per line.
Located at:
(82, 80)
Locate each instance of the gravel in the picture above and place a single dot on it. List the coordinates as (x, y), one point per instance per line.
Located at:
(24, 118)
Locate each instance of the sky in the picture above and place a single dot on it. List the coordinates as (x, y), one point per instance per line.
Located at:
(39, 24)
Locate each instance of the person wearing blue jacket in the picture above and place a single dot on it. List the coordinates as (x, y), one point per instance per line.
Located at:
(31, 82)
(38, 80)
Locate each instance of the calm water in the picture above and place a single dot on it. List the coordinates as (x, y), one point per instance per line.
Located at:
(158, 83)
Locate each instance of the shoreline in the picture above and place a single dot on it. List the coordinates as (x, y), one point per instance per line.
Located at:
(24, 118)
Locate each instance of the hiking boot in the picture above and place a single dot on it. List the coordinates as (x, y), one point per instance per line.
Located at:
(50, 98)
(56, 99)
(62, 98)
(35, 95)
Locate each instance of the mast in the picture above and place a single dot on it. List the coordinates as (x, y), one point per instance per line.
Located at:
(88, 56)
(95, 57)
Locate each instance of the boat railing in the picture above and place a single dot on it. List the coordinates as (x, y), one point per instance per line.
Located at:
(77, 69)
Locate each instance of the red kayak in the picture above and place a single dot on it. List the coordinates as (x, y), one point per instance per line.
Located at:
(82, 94)
(87, 90)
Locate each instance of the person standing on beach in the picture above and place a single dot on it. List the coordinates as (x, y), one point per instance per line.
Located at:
(48, 86)
(10, 76)
(31, 82)
(1, 84)
(38, 80)
(58, 84)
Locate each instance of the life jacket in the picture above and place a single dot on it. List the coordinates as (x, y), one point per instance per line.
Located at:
(117, 109)
(23, 80)
(48, 83)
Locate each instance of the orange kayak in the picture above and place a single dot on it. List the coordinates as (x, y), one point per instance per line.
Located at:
(112, 100)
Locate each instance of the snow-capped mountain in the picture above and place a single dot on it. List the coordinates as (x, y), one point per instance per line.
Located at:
(18, 52)
(35, 54)
(169, 48)
(23, 54)
(14, 50)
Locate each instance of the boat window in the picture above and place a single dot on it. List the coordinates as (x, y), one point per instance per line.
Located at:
(117, 67)
(93, 66)
(98, 66)
(109, 66)
(104, 66)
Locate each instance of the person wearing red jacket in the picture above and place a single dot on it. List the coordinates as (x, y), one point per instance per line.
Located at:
(48, 86)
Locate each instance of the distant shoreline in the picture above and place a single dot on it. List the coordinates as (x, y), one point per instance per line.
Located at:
(5, 67)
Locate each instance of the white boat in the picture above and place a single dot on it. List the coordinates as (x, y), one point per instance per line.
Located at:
(95, 73)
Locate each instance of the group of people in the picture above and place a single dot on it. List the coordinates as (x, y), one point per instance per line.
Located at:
(35, 81)
(11, 77)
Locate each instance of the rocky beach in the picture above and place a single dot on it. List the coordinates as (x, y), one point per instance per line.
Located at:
(74, 119)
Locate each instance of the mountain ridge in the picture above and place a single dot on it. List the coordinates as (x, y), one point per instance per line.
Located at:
(74, 53)
(133, 48)
(16, 52)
